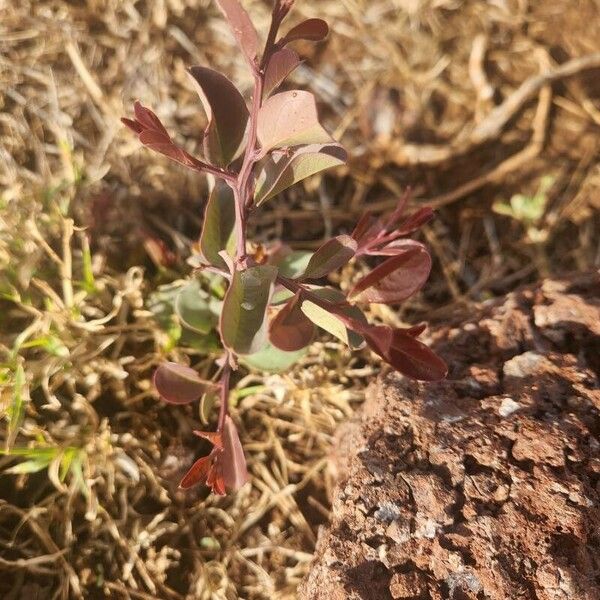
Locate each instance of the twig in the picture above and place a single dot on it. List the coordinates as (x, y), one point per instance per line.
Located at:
(92, 87)
(491, 126)
(510, 164)
(485, 91)
(66, 272)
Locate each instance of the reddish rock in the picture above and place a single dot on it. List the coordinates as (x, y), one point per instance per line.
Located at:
(487, 485)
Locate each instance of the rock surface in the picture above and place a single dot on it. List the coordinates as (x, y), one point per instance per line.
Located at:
(487, 485)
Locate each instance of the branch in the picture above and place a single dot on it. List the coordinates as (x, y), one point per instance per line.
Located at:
(243, 186)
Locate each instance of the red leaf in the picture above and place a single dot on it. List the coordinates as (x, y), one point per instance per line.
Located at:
(290, 119)
(396, 247)
(178, 384)
(291, 329)
(314, 30)
(366, 228)
(415, 221)
(234, 470)
(241, 26)
(215, 480)
(277, 173)
(394, 217)
(132, 124)
(396, 279)
(218, 227)
(152, 137)
(332, 255)
(374, 234)
(227, 114)
(147, 118)
(416, 330)
(168, 149)
(197, 473)
(405, 354)
(282, 63)
(214, 437)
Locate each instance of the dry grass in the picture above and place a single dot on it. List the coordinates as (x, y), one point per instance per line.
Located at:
(411, 87)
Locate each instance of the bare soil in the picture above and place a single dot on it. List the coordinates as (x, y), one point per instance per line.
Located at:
(485, 485)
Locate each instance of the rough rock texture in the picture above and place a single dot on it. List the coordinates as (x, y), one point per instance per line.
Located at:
(486, 485)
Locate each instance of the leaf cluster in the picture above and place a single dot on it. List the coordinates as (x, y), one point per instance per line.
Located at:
(276, 299)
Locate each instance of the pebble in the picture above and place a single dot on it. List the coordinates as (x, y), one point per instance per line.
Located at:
(507, 407)
(523, 365)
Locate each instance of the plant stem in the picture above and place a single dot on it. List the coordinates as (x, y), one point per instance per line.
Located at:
(240, 223)
(203, 167)
(224, 409)
(243, 184)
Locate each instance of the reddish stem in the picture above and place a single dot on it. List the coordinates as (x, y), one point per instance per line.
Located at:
(224, 408)
(243, 184)
(202, 167)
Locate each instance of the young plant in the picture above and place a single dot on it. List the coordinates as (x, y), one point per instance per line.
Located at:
(276, 299)
(529, 210)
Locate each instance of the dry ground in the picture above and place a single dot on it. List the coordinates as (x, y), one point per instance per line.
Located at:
(485, 485)
(472, 103)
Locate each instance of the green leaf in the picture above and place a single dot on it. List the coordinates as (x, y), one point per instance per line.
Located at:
(294, 264)
(49, 343)
(289, 119)
(89, 282)
(78, 476)
(161, 304)
(193, 308)
(207, 404)
(527, 209)
(272, 359)
(209, 543)
(243, 320)
(218, 229)
(16, 408)
(329, 321)
(280, 296)
(30, 466)
(332, 255)
(37, 459)
(205, 343)
(227, 115)
(277, 173)
(503, 208)
(66, 461)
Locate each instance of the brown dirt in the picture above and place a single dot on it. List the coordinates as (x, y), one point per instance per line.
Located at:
(485, 485)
